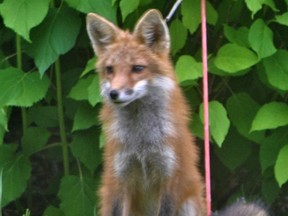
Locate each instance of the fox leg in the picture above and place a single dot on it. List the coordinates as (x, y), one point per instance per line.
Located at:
(113, 208)
(111, 201)
(126, 205)
(188, 209)
(116, 208)
(167, 207)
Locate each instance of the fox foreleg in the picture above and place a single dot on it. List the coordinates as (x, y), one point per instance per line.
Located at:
(167, 206)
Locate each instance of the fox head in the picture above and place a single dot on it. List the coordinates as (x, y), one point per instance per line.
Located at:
(131, 64)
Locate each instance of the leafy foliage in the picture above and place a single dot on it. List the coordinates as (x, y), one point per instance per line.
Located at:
(77, 195)
(50, 137)
(26, 17)
(54, 37)
(15, 167)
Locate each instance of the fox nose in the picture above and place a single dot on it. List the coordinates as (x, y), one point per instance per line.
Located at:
(114, 94)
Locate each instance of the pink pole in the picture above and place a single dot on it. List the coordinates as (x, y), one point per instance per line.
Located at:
(206, 109)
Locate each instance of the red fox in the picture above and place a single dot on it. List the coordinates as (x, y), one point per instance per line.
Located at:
(150, 159)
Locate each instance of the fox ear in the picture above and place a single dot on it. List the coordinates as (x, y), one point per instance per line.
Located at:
(101, 32)
(152, 30)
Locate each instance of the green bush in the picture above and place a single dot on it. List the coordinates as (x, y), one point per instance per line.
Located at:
(50, 137)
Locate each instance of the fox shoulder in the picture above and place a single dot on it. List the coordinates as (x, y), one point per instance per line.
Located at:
(243, 208)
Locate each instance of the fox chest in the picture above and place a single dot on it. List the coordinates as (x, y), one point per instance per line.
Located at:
(145, 158)
(146, 168)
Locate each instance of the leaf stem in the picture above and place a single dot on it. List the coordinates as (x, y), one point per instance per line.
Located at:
(61, 118)
(80, 170)
(19, 66)
(23, 110)
(19, 52)
(57, 144)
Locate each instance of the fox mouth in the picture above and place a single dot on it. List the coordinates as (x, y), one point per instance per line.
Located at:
(121, 103)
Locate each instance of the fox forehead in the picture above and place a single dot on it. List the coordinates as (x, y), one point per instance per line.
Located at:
(126, 50)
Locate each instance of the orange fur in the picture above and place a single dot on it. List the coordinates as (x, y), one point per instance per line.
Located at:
(122, 50)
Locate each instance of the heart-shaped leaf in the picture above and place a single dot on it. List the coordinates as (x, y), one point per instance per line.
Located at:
(270, 116)
(281, 168)
(21, 89)
(219, 122)
(77, 196)
(233, 58)
(54, 37)
(16, 172)
(261, 39)
(188, 69)
(276, 70)
(26, 15)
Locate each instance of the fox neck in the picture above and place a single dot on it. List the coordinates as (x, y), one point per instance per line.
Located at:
(147, 121)
(141, 129)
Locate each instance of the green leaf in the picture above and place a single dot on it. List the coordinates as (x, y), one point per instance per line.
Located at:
(212, 15)
(196, 126)
(101, 7)
(3, 119)
(270, 189)
(33, 89)
(233, 58)
(90, 66)
(21, 89)
(9, 87)
(94, 95)
(234, 151)
(254, 5)
(102, 140)
(144, 2)
(127, 7)
(188, 69)
(191, 13)
(281, 168)
(53, 211)
(4, 63)
(242, 110)
(215, 70)
(276, 70)
(85, 146)
(238, 36)
(22, 15)
(34, 139)
(282, 19)
(270, 116)
(271, 4)
(44, 116)
(86, 117)
(178, 35)
(16, 172)
(261, 39)
(80, 90)
(219, 122)
(2, 134)
(271, 146)
(1, 186)
(54, 37)
(77, 196)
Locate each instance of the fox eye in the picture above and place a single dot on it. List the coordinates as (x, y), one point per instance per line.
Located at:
(109, 70)
(137, 68)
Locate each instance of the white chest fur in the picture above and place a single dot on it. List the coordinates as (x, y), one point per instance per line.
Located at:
(142, 128)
